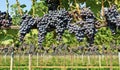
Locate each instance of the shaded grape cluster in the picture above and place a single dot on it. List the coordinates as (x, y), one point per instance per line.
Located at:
(58, 20)
(77, 30)
(26, 24)
(113, 18)
(52, 4)
(5, 19)
(89, 25)
(85, 27)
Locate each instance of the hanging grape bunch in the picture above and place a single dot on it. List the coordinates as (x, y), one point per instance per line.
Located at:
(26, 24)
(89, 25)
(5, 19)
(57, 20)
(77, 30)
(52, 4)
(85, 27)
(112, 18)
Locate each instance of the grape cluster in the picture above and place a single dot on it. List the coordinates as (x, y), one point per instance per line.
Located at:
(26, 24)
(5, 19)
(52, 4)
(89, 25)
(77, 30)
(85, 27)
(57, 20)
(113, 18)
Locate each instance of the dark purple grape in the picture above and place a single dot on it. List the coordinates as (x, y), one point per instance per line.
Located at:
(113, 18)
(5, 19)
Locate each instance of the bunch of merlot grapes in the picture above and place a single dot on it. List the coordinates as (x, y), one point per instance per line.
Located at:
(5, 19)
(89, 25)
(113, 18)
(77, 30)
(57, 20)
(52, 4)
(26, 24)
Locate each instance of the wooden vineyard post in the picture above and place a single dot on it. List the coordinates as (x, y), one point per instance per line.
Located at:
(60, 60)
(37, 58)
(11, 62)
(44, 60)
(88, 59)
(77, 59)
(106, 59)
(41, 60)
(5, 58)
(111, 61)
(71, 57)
(96, 57)
(64, 60)
(72, 60)
(82, 59)
(19, 61)
(100, 61)
(30, 61)
(119, 59)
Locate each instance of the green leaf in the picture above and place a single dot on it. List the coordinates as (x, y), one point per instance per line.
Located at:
(23, 6)
(7, 40)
